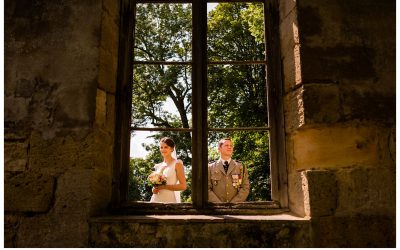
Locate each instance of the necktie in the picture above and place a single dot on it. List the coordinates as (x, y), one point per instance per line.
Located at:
(226, 166)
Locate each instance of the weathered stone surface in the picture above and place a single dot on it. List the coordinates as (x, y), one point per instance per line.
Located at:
(53, 230)
(292, 68)
(29, 192)
(136, 232)
(294, 111)
(321, 103)
(367, 190)
(59, 43)
(312, 104)
(290, 51)
(101, 104)
(296, 194)
(320, 192)
(337, 46)
(335, 147)
(112, 7)
(11, 223)
(285, 7)
(354, 231)
(110, 121)
(109, 48)
(15, 156)
(365, 104)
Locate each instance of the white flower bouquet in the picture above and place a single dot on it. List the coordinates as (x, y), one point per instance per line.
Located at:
(157, 179)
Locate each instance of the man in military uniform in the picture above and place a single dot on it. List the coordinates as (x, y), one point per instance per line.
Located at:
(227, 179)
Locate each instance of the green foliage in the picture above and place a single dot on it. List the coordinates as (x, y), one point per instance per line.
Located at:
(138, 189)
(236, 94)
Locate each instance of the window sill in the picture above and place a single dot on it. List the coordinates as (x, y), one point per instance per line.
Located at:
(199, 231)
(240, 208)
(199, 218)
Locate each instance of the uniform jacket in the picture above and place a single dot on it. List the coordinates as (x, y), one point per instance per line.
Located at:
(221, 185)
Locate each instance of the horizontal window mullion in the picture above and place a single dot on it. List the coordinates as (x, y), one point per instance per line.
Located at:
(241, 129)
(235, 1)
(236, 62)
(162, 62)
(208, 1)
(162, 129)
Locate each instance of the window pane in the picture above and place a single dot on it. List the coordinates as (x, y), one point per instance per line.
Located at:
(162, 96)
(252, 149)
(237, 96)
(163, 32)
(144, 154)
(236, 32)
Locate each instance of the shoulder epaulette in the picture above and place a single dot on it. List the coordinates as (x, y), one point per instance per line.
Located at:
(210, 162)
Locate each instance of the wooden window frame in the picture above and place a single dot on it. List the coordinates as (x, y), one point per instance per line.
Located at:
(120, 202)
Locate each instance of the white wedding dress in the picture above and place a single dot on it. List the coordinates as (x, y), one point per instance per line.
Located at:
(165, 195)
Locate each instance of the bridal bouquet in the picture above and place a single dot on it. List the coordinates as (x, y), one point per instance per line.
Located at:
(157, 179)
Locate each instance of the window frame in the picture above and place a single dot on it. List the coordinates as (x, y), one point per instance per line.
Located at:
(120, 202)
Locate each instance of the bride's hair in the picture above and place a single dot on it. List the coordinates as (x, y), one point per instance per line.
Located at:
(168, 141)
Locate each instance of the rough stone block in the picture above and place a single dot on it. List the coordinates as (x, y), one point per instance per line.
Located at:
(321, 103)
(354, 231)
(312, 104)
(367, 190)
(292, 68)
(142, 231)
(320, 192)
(334, 147)
(296, 194)
(11, 223)
(29, 192)
(108, 53)
(53, 230)
(15, 156)
(109, 33)
(294, 110)
(110, 122)
(16, 109)
(101, 107)
(289, 33)
(76, 105)
(366, 104)
(107, 71)
(285, 7)
(112, 7)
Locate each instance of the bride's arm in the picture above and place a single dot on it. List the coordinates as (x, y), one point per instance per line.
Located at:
(180, 173)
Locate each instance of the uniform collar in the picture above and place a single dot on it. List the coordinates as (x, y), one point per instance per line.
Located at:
(228, 160)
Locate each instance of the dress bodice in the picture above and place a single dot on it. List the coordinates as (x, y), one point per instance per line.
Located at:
(165, 195)
(168, 171)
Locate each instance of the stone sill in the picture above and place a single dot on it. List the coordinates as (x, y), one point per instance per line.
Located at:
(239, 208)
(199, 218)
(200, 231)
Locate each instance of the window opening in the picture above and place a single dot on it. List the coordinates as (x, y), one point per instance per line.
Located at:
(161, 92)
(198, 77)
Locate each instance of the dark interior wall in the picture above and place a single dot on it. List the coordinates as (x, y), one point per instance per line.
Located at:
(58, 149)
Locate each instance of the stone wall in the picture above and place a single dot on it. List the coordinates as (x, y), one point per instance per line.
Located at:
(60, 64)
(339, 80)
(338, 62)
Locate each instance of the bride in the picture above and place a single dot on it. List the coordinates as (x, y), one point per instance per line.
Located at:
(172, 168)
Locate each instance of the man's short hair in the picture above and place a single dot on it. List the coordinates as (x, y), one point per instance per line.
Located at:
(222, 141)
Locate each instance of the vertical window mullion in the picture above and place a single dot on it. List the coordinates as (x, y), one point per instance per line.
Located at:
(199, 104)
(275, 96)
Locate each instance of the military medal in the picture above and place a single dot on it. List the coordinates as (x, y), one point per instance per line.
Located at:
(235, 180)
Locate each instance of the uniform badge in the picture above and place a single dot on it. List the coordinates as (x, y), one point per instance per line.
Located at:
(236, 180)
